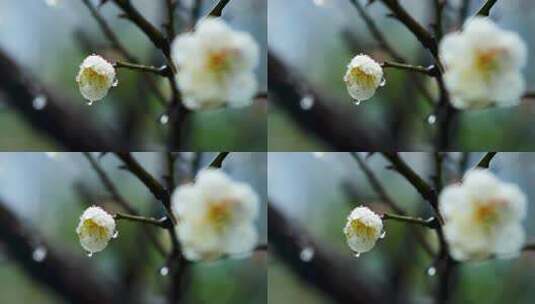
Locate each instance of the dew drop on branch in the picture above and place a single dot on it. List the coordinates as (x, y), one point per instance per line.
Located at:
(39, 254)
(431, 119)
(39, 102)
(307, 254)
(383, 82)
(164, 119)
(307, 102)
(164, 271)
(431, 271)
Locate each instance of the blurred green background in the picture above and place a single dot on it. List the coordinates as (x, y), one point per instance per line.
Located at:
(318, 38)
(51, 42)
(318, 190)
(45, 191)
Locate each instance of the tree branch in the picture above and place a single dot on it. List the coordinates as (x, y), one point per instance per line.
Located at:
(161, 71)
(429, 223)
(162, 223)
(408, 67)
(218, 160)
(485, 161)
(485, 9)
(217, 10)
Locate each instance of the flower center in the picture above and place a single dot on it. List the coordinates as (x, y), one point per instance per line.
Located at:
(362, 78)
(488, 213)
(487, 62)
(90, 76)
(220, 214)
(95, 230)
(220, 61)
(360, 229)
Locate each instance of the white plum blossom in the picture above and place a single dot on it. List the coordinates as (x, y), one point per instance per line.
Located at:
(363, 229)
(95, 229)
(363, 76)
(95, 78)
(215, 66)
(483, 217)
(215, 216)
(483, 65)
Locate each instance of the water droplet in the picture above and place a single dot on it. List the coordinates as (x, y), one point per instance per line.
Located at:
(383, 82)
(383, 234)
(89, 254)
(357, 255)
(115, 235)
(164, 271)
(431, 271)
(39, 102)
(115, 82)
(164, 119)
(307, 254)
(431, 119)
(90, 102)
(39, 254)
(307, 102)
(356, 102)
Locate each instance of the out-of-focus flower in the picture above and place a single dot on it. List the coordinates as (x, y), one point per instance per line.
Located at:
(95, 78)
(215, 216)
(483, 217)
(363, 229)
(95, 229)
(215, 66)
(363, 76)
(483, 65)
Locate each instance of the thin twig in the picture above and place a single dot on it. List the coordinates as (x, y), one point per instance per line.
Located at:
(218, 160)
(170, 25)
(376, 184)
(485, 9)
(529, 247)
(486, 159)
(161, 71)
(162, 223)
(217, 10)
(425, 190)
(429, 223)
(425, 38)
(409, 67)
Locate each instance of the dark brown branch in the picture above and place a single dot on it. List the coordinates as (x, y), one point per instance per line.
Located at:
(131, 13)
(376, 184)
(217, 10)
(337, 127)
(218, 160)
(485, 9)
(66, 126)
(170, 24)
(159, 192)
(425, 190)
(486, 159)
(161, 71)
(162, 223)
(408, 67)
(65, 274)
(425, 38)
(324, 270)
(428, 223)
